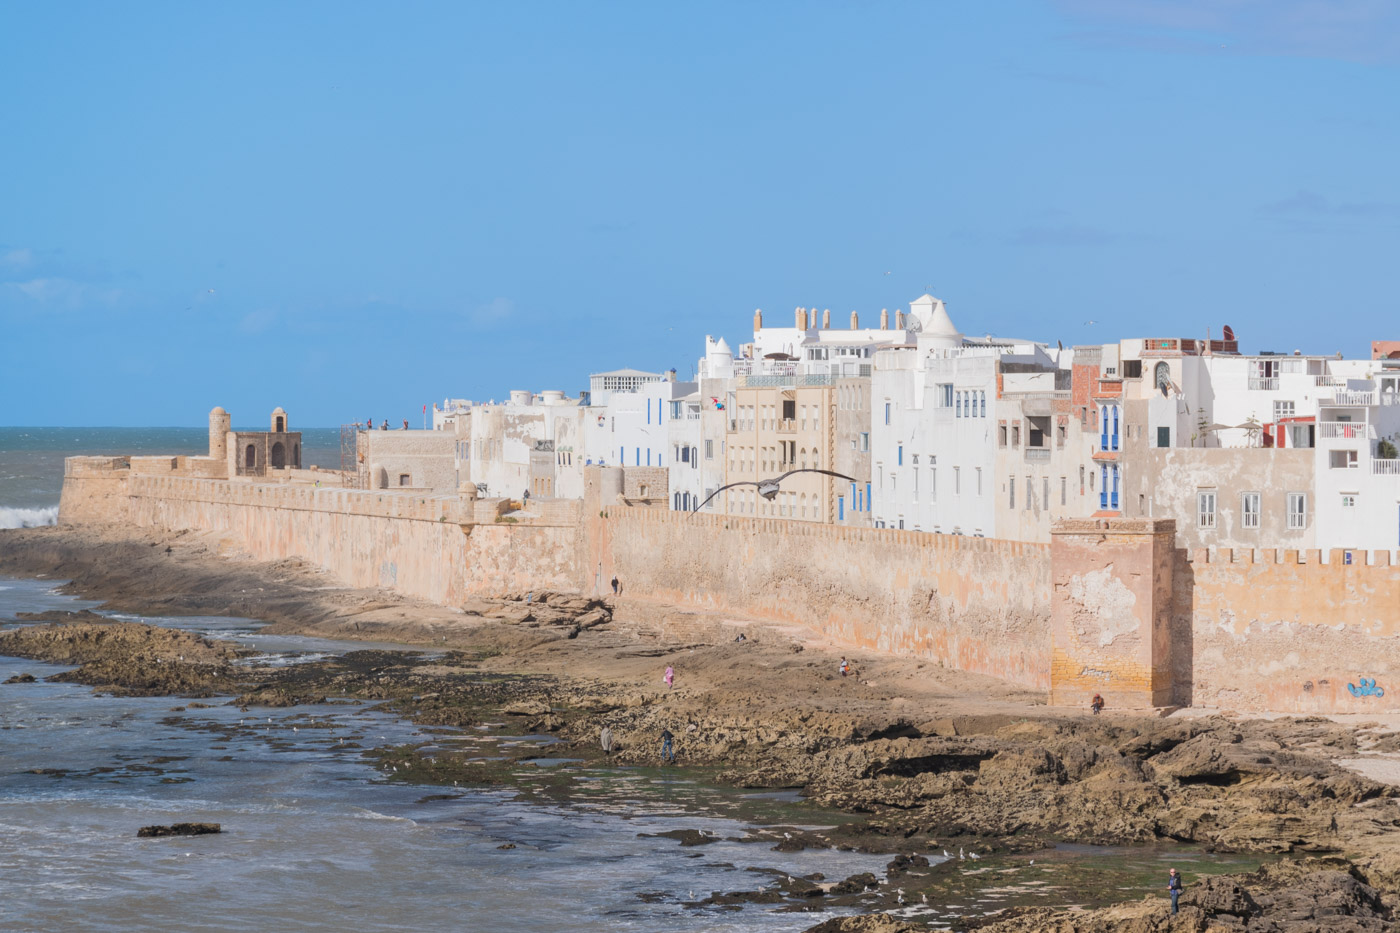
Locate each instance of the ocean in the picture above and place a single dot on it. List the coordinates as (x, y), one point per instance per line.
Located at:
(31, 460)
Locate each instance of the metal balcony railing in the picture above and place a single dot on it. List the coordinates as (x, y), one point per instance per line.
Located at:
(1037, 454)
(1269, 384)
(1353, 398)
(1385, 467)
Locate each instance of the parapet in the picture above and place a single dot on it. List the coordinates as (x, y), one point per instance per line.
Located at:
(1114, 526)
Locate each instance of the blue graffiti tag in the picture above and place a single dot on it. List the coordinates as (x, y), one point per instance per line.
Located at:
(1368, 688)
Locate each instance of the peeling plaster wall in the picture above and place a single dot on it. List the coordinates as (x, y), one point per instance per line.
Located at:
(1280, 630)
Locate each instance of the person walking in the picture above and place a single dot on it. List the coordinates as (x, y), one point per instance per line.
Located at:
(614, 585)
(845, 667)
(1096, 704)
(669, 676)
(667, 753)
(1173, 886)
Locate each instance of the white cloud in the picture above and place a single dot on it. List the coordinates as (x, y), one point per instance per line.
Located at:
(1350, 30)
(16, 258)
(255, 322)
(62, 293)
(496, 312)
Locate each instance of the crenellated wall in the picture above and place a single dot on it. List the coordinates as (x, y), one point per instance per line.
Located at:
(442, 549)
(1109, 602)
(1283, 630)
(972, 603)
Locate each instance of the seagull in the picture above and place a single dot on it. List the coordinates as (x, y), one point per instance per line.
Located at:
(901, 897)
(787, 835)
(973, 855)
(1032, 861)
(1087, 323)
(925, 898)
(960, 854)
(945, 854)
(692, 895)
(768, 488)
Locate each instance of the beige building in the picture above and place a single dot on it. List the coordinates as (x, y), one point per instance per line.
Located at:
(776, 429)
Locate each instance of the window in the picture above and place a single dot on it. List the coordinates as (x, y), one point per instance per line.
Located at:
(1348, 501)
(1162, 377)
(957, 409)
(405, 479)
(1164, 437)
(1282, 410)
(1045, 492)
(1001, 435)
(1016, 434)
(1064, 490)
(790, 409)
(945, 395)
(865, 441)
(1132, 369)
(979, 481)
(1060, 431)
(1205, 508)
(899, 455)
(1342, 459)
(957, 480)
(1011, 492)
(1297, 510)
(1029, 492)
(1249, 510)
(982, 396)
(887, 413)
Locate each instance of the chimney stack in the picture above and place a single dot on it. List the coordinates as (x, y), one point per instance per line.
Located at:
(855, 323)
(826, 319)
(758, 319)
(898, 319)
(802, 319)
(884, 319)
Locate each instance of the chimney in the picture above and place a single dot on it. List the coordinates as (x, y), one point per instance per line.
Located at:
(826, 319)
(758, 319)
(898, 319)
(801, 319)
(855, 323)
(884, 319)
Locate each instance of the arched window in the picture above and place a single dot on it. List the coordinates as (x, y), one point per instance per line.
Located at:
(250, 457)
(281, 424)
(279, 456)
(1162, 376)
(677, 505)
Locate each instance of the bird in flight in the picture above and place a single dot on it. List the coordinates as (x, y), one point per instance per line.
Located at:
(768, 488)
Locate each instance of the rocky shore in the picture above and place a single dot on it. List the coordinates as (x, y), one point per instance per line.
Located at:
(924, 760)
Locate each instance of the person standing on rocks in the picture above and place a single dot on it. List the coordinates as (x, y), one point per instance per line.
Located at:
(845, 667)
(605, 739)
(669, 676)
(1173, 886)
(667, 753)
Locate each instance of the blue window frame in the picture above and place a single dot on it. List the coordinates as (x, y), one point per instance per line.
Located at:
(899, 457)
(887, 413)
(840, 508)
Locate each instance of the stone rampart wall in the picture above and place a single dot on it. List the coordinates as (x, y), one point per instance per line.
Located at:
(971, 603)
(1282, 630)
(434, 548)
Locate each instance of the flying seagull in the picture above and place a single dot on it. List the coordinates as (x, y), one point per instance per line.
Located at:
(768, 488)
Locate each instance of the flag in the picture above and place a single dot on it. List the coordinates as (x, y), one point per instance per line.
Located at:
(425, 409)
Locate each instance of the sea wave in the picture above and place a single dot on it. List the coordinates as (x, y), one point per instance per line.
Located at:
(27, 518)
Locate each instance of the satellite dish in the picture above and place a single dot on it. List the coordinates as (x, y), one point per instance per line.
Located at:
(1228, 333)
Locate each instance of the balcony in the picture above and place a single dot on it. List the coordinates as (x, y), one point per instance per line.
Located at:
(1258, 384)
(1352, 398)
(1385, 467)
(787, 425)
(1037, 454)
(1332, 430)
(1328, 381)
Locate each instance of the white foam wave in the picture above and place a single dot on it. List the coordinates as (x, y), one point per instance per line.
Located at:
(27, 518)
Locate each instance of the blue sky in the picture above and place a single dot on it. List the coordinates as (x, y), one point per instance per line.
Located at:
(354, 209)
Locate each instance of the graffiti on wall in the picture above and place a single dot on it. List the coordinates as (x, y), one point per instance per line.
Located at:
(1368, 688)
